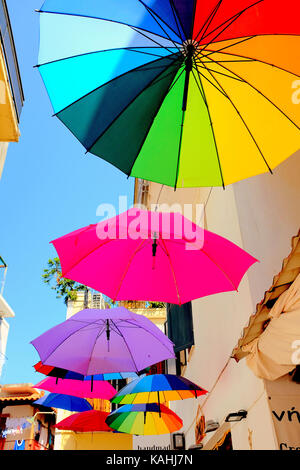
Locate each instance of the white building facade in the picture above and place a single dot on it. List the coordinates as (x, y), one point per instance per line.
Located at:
(262, 216)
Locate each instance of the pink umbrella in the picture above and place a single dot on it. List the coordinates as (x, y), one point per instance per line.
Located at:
(143, 255)
(77, 388)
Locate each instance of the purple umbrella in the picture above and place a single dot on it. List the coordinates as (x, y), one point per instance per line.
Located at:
(104, 341)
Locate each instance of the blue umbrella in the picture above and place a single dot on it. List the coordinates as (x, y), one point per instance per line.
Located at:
(64, 402)
(58, 372)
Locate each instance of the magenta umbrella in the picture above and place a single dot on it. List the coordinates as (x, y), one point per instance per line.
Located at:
(143, 255)
(76, 388)
(104, 341)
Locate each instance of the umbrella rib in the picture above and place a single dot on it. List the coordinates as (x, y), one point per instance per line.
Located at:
(198, 64)
(220, 268)
(231, 61)
(151, 39)
(92, 350)
(173, 272)
(258, 91)
(85, 256)
(208, 21)
(116, 78)
(213, 132)
(211, 51)
(65, 339)
(152, 13)
(198, 86)
(231, 20)
(248, 59)
(128, 266)
(178, 16)
(156, 337)
(138, 30)
(154, 81)
(157, 111)
(126, 345)
(244, 39)
(176, 20)
(245, 124)
(129, 49)
(202, 75)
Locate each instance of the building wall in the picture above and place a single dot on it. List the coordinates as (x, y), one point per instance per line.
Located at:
(24, 412)
(68, 440)
(3, 152)
(94, 441)
(4, 329)
(261, 215)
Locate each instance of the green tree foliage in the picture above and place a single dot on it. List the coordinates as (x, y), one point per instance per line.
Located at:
(156, 305)
(64, 288)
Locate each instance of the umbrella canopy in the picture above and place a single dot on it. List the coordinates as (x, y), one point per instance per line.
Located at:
(158, 388)
(51, 371)
(205, 86)
(144, 419)
(87, 421)
(170, 259)
(64, 402)
(101, 389)
(103, 341)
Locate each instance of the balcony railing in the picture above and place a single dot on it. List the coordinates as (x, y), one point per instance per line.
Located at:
(10, 56)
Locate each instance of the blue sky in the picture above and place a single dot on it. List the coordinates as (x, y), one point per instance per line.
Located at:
(49, 187)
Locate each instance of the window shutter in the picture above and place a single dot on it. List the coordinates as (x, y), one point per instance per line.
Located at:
(180, 325)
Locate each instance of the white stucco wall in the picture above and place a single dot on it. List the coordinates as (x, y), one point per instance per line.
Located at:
(4, 329)
(261, 215)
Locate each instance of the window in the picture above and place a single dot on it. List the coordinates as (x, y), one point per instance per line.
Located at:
(180, 330)
(117, 384)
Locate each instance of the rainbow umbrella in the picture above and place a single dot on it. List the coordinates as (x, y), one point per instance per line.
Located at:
(168, 259)
(64, 402)
(158, 388)
(144, 419)
(186, 93)
(57, 372)
(87, 421)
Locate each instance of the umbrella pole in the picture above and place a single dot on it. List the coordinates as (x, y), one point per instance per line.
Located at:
(154, 248)
(159, 404)
(107, 334)
(92, 383)
(188, 69)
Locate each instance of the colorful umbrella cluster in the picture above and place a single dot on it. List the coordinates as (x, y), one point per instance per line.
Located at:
(136, 81)
(143, 411)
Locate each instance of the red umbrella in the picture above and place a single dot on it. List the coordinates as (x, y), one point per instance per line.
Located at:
(86, 421)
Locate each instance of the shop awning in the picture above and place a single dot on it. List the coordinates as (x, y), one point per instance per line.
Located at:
(19, 392)
(281, 282)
